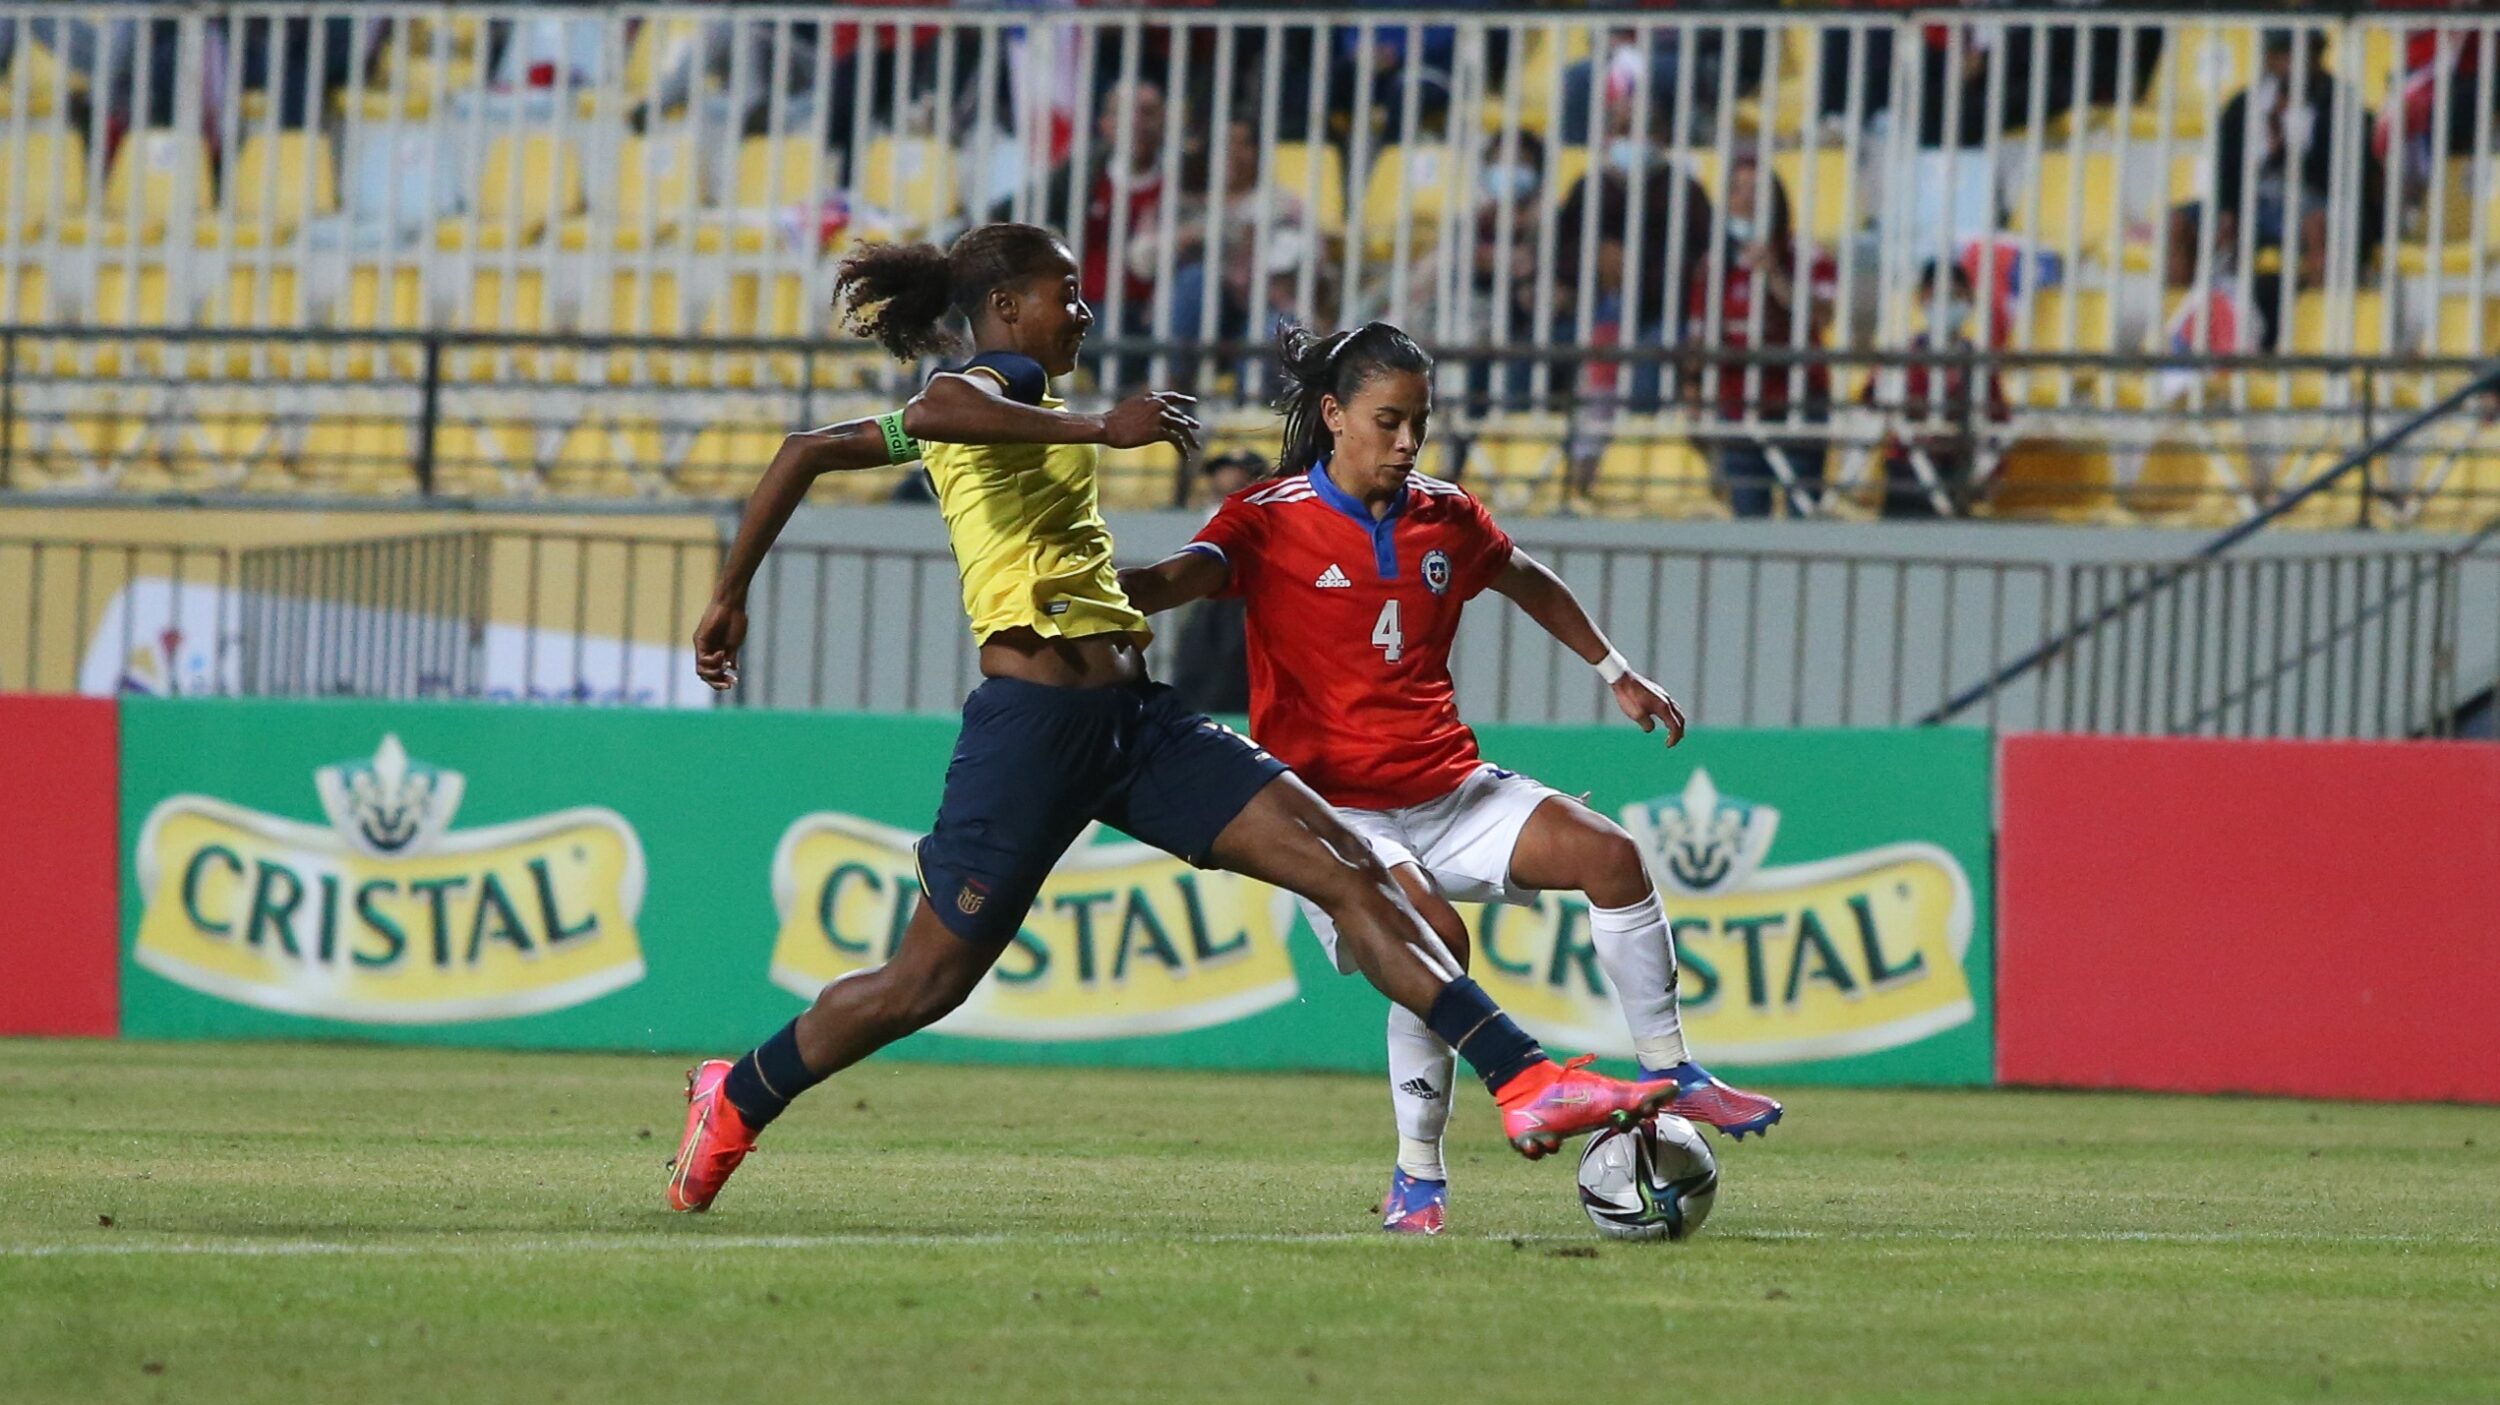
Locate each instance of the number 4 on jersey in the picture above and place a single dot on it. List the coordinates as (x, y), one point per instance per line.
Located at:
(1387, 636)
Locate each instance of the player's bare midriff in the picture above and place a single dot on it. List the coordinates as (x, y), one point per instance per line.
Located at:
(1089, 661)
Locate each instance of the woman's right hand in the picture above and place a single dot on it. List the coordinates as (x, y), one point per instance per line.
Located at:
(716, 643)
(1152, 417)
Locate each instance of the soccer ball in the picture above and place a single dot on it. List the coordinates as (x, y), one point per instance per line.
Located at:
(1653, 1180)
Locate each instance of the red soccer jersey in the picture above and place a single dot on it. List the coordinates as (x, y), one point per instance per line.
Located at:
(1350, 627)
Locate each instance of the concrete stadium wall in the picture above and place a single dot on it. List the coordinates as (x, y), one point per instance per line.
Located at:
(1643, 582)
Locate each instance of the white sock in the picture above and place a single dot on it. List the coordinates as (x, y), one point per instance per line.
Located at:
(1638, 954)
(1420, 1070)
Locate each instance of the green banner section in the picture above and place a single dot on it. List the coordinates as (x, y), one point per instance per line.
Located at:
(579, 878)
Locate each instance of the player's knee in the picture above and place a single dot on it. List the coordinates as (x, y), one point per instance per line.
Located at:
(1619, 875)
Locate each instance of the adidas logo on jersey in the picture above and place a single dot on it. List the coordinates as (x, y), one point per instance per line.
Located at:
(1334, 578)
(1418, 1088)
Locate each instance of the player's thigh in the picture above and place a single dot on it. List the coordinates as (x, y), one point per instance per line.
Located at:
(1028, 769)
(1188, 778)
(1565, 844)
(1287, 836)
(1471, 838)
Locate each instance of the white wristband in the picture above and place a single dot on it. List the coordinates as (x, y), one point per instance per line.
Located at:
(1612, 667)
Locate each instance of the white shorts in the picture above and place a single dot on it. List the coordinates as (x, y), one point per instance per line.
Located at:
(1463, 839)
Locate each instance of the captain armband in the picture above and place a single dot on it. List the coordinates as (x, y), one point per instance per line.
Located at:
(900, 447)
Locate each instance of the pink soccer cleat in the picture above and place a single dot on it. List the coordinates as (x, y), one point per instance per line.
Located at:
(1550, 1103)
(717, 1139)
(1415, 1205)
(1699, 1097)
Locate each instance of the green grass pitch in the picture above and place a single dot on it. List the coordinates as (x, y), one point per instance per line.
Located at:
(245, 1223)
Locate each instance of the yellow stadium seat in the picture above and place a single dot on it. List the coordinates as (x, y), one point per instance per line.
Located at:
(1539, 69)
(910, 179)
(1139, 478)
(1654, 472)
(366, 454)
(609, 458)
(2063, 480)
(725, 459)
(2318, 329)
(777, 175)
(751, 308)
(371, 305)
(655, 189)
(645, 304)
(2453, 247)
(43, 174)
(514, 302)
(1835, 214)
(261, 299)
(652, 39)
(225, 445)
(158, 177)
(32, 84)
(526, 181)
(2188, 484)
(1422, 178)
(1293, 176)
(278, 181)
(2053, 212)
(1516, 462)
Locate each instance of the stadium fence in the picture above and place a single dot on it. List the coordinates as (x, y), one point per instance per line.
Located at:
(502, 250)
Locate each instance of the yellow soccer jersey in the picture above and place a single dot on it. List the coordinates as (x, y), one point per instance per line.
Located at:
(1027, 529)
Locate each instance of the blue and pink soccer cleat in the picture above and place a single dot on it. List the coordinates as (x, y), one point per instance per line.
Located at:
(1702, 1098)
(1414, 1206)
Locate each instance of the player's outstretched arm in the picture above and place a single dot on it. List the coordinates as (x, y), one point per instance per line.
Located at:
(967, 407)
(854, 444)
(1174, 581)
(1544, 597)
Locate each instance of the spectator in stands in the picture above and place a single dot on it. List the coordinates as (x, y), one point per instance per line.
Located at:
(1392, 70)
(1759, 275)
(1090, 201)
(1195, 213)
(281, 54)
(1931, 458)
(1614, 80)
(1211, 657)
(107, 61)
(1510, 177)
(2418, 125)
(1621, 308)
(2274, 175)
(753, 51)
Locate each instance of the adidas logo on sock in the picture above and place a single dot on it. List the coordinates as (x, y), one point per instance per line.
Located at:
(1333, 578)
(1418, 1088)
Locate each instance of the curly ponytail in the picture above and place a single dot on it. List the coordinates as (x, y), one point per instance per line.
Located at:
(1341, 365)
(899, 294)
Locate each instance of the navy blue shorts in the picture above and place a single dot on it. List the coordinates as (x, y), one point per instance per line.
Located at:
(1034, 765)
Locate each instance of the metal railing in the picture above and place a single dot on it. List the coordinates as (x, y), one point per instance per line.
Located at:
(629, 171)
(2297, 635)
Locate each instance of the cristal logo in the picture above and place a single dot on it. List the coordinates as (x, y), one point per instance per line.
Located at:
(1123, 939)
(387, 914)
(1835, 956)
(1703, 841)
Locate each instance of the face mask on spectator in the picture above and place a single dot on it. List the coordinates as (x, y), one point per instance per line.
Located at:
(1624, 154)
(1956, 313)
(1507, 182)
(1740, 229)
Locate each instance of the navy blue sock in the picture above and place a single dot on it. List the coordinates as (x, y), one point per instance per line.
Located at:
(1467, 1020)
(763, 1083)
